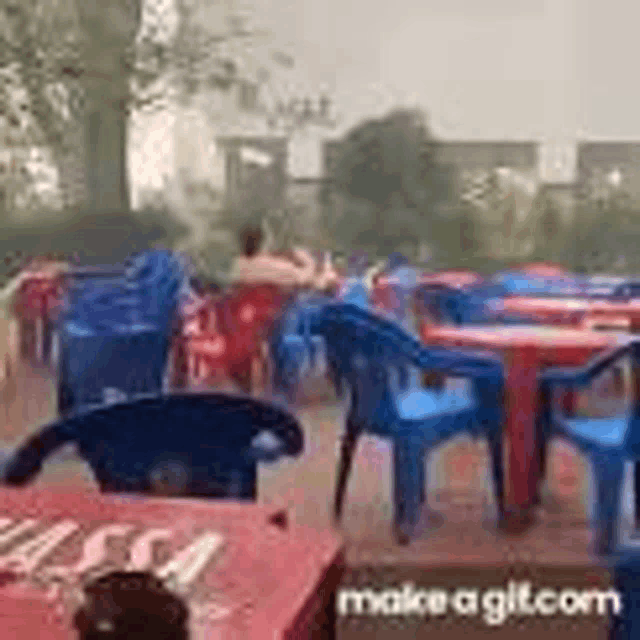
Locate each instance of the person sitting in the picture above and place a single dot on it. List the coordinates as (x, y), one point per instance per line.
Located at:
(355, 290)
(403, 279)
(259, 267)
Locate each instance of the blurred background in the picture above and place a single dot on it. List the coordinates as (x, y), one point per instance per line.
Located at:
(136, 122)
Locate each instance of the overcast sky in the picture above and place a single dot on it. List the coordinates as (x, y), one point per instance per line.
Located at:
(482, 69)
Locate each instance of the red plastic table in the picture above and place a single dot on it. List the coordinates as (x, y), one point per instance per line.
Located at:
(597, 314)
(263, 582)
(561, 311)
(604, 311)
(527, 350)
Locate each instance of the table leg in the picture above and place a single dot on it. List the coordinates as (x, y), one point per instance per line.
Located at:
(570, 402)
(523, 463)
(180, 365)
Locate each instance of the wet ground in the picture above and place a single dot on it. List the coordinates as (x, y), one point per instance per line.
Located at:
(458, 483)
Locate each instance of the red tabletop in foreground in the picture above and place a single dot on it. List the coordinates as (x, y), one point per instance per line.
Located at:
(257, 580)
(526, 350)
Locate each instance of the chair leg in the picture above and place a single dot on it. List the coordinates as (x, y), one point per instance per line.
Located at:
(494, 438)
(608, 470)
(408, 460)
(241, 374)
(335, 380)
(347, 451)
(542, 451)
(627, 583)
(423, 478)
(543, 436)
(636, 471)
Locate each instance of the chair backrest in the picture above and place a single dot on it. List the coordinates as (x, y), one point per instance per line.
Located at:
(158, 278)
(576, 377)
(115, 332)
(298, 317)
(362, 345)
(349, 330)
(355, 292)
(251, 310)
(372, 405)
(146, 292)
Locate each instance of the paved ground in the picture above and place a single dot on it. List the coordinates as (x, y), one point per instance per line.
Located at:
(458, 481)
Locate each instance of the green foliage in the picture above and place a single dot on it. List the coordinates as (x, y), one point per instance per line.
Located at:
(390, 182)
(456, 236)
(50, 41)
(102, 238)
(601, 235)
(550, 222)
(382, 158)
(550, 233)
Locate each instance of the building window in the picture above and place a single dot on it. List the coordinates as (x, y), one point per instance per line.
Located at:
(248, 96)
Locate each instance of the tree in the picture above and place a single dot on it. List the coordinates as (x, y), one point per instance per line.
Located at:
(549, 236)
(98, 238)
(385, 164)
(456, 236)
(87, 63)
(602, 236)
(85, 48)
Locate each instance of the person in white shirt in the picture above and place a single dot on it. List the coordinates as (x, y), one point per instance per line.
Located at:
(355, 289)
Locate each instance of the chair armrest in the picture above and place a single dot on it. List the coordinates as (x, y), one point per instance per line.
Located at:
(463, 364)
(457, 363)
(583, 376)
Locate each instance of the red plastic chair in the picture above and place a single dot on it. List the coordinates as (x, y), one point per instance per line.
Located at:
(248, 316)
(232, 333)
(38, 298)
(382, 296)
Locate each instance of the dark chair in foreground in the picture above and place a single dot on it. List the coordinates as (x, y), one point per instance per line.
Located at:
(626, 581)
(200, 445)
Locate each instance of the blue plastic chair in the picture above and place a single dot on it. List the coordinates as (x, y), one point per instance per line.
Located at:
(609, 442)
(626, 581)
(116, 330)
(355, 292)
(478, 304)
(295, 350)
(197, 445)
(372, 357)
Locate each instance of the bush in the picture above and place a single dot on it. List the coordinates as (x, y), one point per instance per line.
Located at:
(106, 237)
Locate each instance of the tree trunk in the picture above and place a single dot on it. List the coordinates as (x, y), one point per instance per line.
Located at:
(111, 27)
(106, 144)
